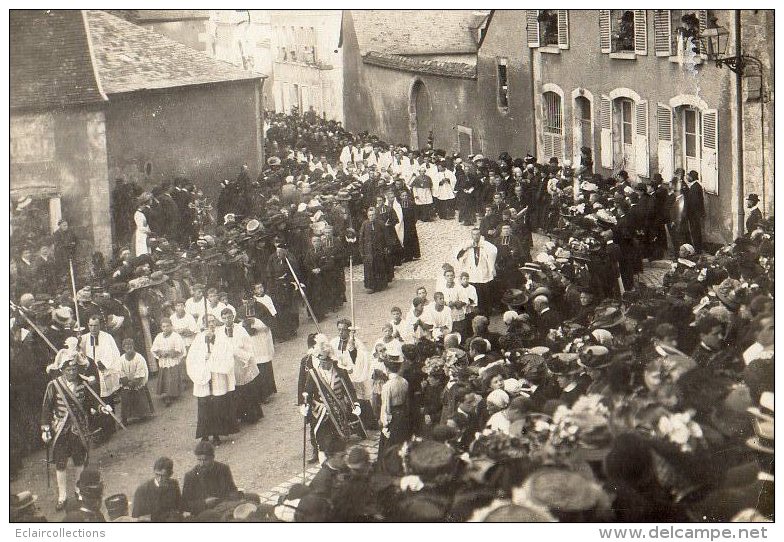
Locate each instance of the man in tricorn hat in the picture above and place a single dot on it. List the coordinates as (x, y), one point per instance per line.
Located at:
(395, 417)
(67, 405)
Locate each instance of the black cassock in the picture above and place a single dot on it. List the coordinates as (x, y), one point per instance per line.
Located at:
(410, 235)
(388, 217)
(283, 293)
(372, 245)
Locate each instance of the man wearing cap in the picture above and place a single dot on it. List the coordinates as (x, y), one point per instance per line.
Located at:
(67, 405)
(694, 208)
(208, 483)
(89, 489)
(478, 259)
(754, 217)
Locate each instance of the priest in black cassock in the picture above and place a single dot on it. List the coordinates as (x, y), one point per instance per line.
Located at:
(410, 236)
(372, 246)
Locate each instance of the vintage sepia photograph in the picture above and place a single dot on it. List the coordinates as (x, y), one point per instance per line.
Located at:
(392, 265)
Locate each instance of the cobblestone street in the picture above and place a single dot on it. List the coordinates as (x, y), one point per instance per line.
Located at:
(267, 457)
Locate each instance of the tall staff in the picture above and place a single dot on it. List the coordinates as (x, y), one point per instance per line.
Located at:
(73, 290)
(351, 239)
(86, 379)
(302, 294)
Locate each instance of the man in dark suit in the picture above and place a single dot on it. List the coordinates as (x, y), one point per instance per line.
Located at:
(754, 214)
(694, 208)
(158, 498)
(624, 236)
(660, 217)
(466, 418)
(546, 317)
(208, 483)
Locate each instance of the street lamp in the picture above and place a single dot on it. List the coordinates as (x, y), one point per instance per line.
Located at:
(714, 42)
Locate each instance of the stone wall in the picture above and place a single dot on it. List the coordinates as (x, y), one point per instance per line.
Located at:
(65, 150)
(204, 133)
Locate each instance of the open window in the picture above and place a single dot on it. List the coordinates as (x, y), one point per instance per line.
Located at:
(623, 33)
(548, 29)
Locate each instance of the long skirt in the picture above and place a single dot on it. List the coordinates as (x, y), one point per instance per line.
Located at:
(216, 415)
(376, 272)
(248, 408)
(170, 381)
(134, 404)
(266, 380)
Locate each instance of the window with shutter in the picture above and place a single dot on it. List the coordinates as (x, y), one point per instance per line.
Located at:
(549, 27)
(563, 28)
(532, 27)
(552, 125)
(662, 32)
(641, 152)
(710, 151)
(702, 16)
(605, 32)
(605, 113)
(640, 32)
(665, 143)
(622, 27)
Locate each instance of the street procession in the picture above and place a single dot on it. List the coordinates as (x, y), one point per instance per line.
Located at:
(365, 327)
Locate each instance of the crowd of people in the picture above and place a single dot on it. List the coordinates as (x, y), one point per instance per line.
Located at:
(602, 399)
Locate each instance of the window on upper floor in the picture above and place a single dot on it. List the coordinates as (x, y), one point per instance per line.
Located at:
(503, 84)
(623, 32)
(676, 30)
(548, 29)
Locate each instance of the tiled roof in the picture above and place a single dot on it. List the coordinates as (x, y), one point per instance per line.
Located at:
(131, 58)
(417, 32)
(413, 64)
(162, 15)
(50, 62)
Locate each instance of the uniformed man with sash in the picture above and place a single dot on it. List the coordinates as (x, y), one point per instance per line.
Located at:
(67, 404)
(331, 404)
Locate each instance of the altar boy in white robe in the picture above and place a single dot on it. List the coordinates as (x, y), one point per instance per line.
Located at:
(233, 340)
(212, 373)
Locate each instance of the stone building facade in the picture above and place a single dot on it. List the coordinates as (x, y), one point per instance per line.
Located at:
(627, 84)
(101, 98)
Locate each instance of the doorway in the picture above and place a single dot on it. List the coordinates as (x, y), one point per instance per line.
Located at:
(420, 113)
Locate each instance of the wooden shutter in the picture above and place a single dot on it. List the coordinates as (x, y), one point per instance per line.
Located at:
(605, 41)
(563, 28)
(532, 27)
(662, 32)
(710, 151)
(605, 112)
(702, 17)
(665, 146)
(641, 152)
(640, 32)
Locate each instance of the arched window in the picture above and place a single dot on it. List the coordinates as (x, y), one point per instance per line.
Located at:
(552, 125)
